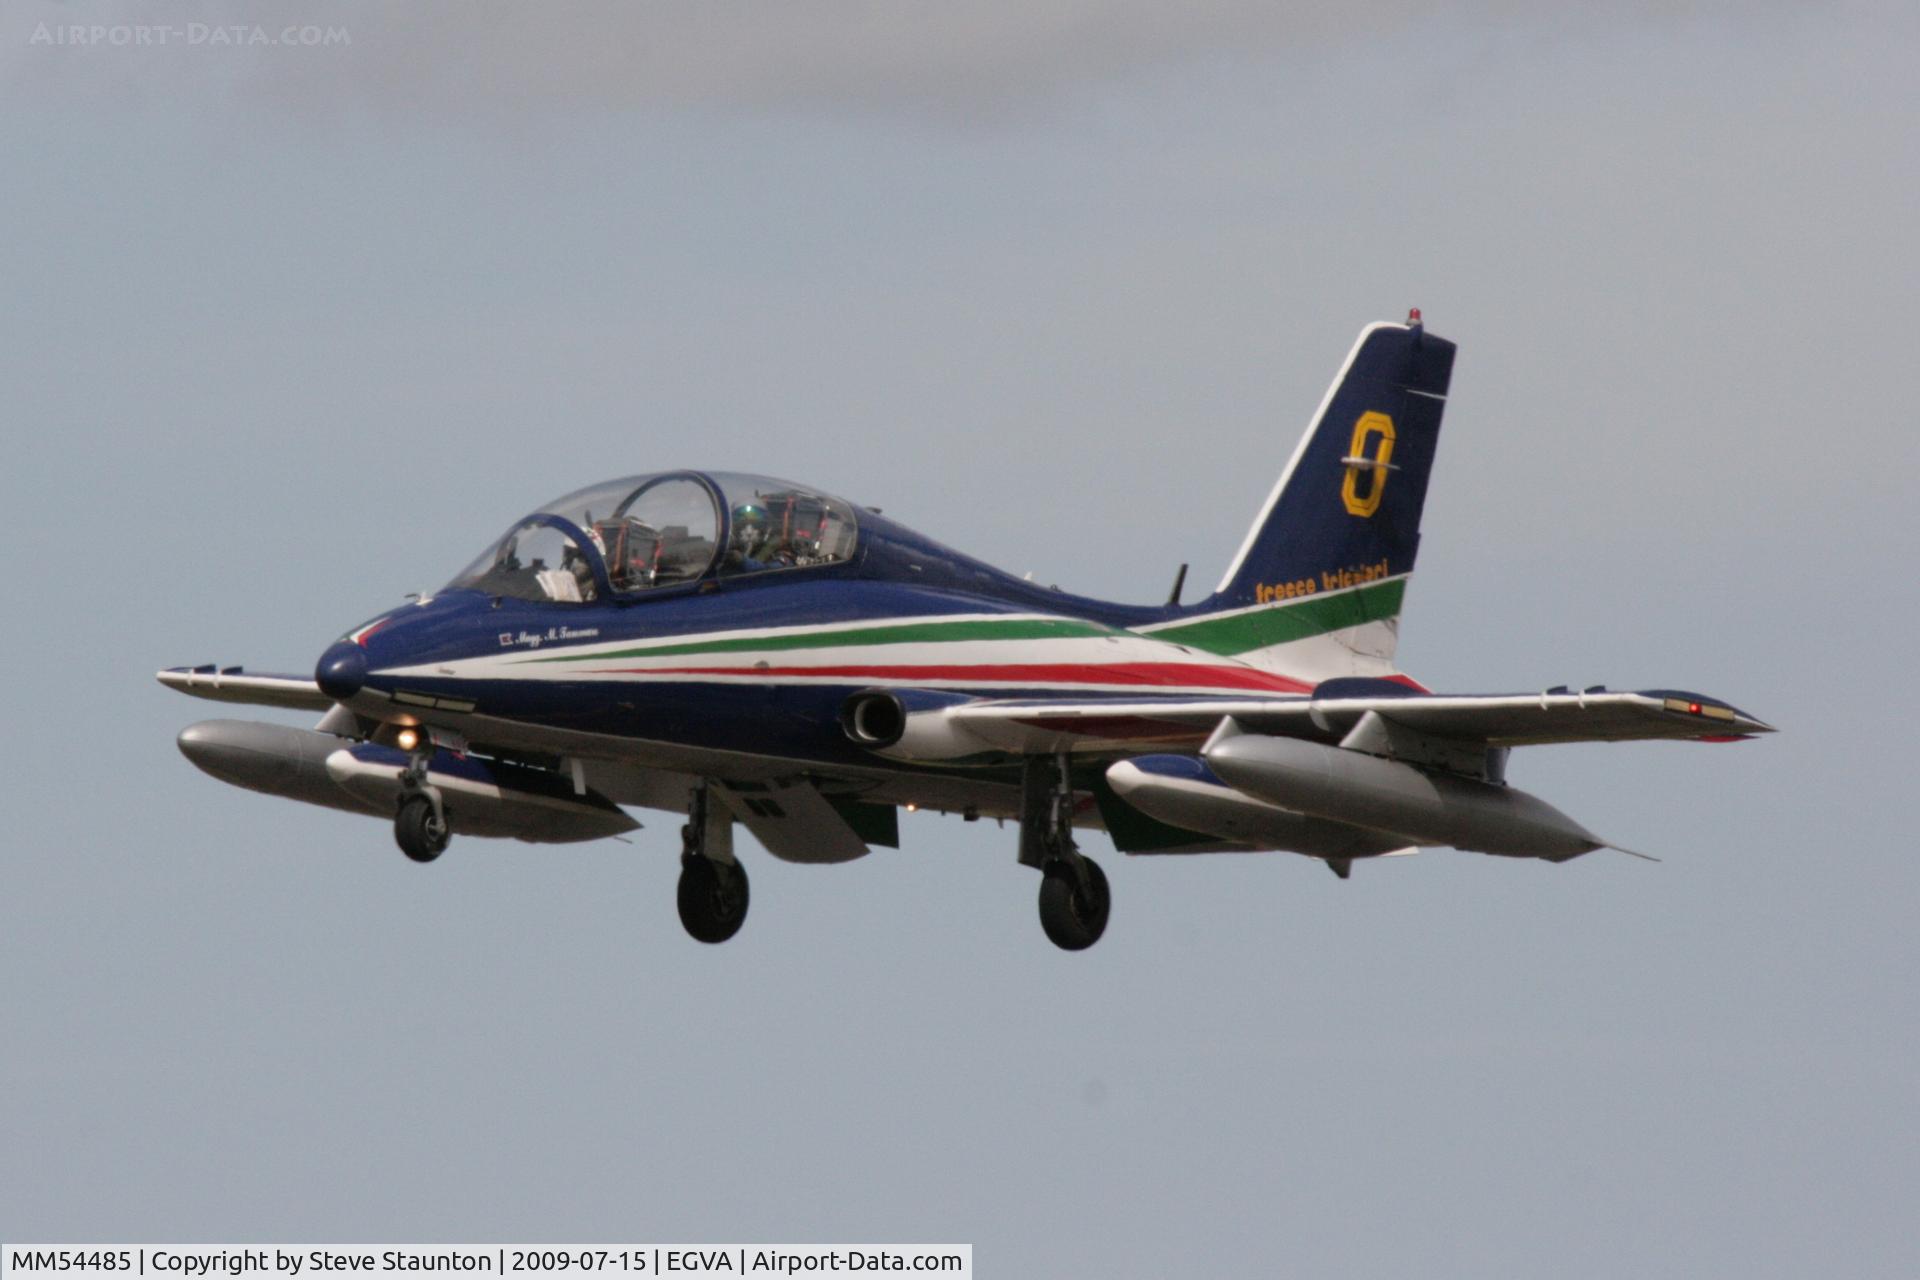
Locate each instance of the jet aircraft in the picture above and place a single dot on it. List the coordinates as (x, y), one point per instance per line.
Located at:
(741, 650)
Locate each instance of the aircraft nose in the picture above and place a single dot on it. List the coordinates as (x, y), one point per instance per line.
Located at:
(342, 670)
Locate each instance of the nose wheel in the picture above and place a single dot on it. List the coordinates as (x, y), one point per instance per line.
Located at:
(421, 833)
(420, 826)
(713, 885)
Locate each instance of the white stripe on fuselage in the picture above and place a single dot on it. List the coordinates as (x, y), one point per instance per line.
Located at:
(618, 661)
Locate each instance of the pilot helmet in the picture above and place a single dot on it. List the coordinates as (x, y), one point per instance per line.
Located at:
(749, 525)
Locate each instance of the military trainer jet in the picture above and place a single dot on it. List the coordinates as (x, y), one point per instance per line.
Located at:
(739, 649)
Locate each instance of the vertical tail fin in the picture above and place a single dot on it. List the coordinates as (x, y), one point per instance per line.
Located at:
(1316, 587)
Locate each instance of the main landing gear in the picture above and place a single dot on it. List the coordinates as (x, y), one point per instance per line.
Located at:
(420, 826)
(713, 885)
(1074, 898)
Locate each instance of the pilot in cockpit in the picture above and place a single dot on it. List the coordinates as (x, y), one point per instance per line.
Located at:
(749, 548)
(571, 583)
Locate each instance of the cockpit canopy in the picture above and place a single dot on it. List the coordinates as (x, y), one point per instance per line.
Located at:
(645, 533)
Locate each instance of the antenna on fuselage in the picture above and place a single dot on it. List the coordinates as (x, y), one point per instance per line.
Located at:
(1179, 583)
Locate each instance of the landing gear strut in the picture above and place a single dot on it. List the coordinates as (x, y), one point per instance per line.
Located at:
(1074, 899)
(713, 885)
(420, 826)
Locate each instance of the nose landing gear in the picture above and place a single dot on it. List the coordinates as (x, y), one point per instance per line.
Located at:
(420, 826)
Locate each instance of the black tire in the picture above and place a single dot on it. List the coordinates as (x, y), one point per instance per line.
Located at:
(1074, 920)
(419, 834)
(712, 898)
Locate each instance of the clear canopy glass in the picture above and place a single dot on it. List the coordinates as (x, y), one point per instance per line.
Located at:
(535, 561)
(651, 531)
(773, 524)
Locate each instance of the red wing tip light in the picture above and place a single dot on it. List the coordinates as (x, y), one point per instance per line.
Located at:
(1740, 725)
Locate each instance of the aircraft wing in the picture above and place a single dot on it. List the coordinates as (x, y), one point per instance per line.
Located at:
(1494, 720)
(232, 684)
(1531, 719)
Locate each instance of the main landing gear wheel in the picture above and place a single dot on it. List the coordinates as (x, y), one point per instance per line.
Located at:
(713, 887)
(421, 833)
(712, 898)
(1074, 898)
(1074, 903)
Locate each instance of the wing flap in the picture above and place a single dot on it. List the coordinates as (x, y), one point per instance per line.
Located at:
(793, 821)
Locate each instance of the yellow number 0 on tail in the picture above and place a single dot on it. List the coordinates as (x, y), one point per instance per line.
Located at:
(1357, 461)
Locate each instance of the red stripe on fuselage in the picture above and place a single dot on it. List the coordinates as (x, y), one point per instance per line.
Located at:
(1152, 675)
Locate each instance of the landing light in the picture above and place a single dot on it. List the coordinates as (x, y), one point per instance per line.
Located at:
(407, 739)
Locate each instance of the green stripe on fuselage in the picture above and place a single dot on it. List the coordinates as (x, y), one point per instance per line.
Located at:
(904, 633)
(1294, 620)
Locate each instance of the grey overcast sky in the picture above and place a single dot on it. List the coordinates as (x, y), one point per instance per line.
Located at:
(290, 330)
